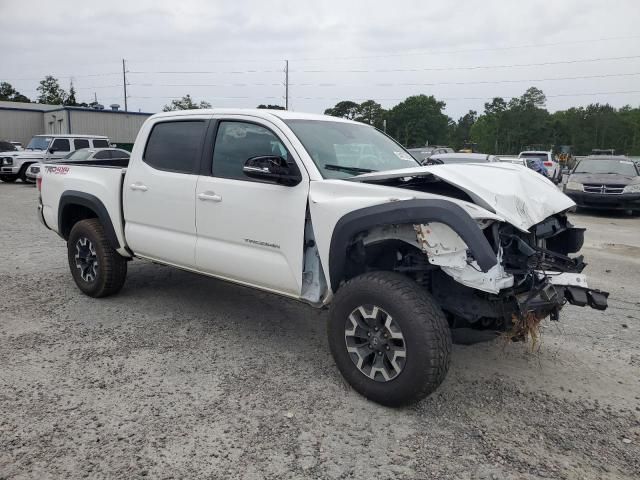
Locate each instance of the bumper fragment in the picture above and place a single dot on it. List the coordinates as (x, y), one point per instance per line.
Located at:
(582, 297)
(623, 201)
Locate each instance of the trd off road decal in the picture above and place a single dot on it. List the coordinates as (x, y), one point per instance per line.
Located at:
(57, 170)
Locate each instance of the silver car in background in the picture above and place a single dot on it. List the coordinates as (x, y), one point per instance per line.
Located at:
(84, 155)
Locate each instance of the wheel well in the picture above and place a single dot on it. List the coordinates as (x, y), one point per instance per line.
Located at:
(72, 214)
(390, 254)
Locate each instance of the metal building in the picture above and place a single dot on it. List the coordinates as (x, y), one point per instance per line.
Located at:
(20, 121)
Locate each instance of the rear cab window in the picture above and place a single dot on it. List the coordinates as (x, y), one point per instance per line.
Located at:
(176, 146)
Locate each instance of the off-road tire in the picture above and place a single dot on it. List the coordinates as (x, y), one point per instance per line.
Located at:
(426, 334)
(8, 178)
(112, 267)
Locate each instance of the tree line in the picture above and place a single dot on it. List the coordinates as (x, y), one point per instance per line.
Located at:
(504, 127)
(49, 92)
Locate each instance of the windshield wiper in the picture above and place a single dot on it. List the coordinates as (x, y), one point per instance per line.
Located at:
(343, 168)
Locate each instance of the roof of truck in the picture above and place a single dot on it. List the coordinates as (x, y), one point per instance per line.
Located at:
(255, 112)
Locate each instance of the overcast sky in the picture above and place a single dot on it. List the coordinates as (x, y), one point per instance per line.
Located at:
(232, 53)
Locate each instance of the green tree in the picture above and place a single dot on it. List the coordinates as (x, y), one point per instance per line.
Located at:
(10, 94)
(70, 100)
(344, 109)
(460, 132)
(418, 120)
(270, 107)
(50, 92)
(185, 103)
(371, 112)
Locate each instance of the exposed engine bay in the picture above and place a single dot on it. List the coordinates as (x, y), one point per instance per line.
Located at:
(536, 273)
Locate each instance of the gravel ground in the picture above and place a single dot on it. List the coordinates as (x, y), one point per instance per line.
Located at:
(182, 376)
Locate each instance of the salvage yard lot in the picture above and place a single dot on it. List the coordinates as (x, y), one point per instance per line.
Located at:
(182, 376)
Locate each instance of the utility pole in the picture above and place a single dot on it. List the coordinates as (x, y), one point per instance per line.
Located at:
(124, 83)
(286, 84)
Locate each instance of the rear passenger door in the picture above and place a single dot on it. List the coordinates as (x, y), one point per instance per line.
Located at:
(159, 192)
(250, 231)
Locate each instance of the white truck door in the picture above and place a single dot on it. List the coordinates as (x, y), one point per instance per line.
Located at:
(251, 230)
(159, 192)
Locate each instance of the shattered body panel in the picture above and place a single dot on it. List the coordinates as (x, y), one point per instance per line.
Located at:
(521, 215)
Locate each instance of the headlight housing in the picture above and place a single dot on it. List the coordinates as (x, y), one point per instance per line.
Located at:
(7, 161)
(574, 186)
(635, 188)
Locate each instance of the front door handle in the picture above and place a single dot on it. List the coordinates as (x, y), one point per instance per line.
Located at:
(209, 196)
(138, 186)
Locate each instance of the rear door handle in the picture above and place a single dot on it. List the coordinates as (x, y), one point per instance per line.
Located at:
(209, 196)
(138, 186)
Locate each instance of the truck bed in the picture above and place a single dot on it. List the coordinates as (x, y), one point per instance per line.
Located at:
(61, 180)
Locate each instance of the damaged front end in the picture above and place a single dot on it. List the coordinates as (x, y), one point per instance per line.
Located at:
(535, 276)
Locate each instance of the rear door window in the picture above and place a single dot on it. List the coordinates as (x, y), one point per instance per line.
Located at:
(79, 143)
(61, 145)
(100, 143)
(176, 146)
(103, 155)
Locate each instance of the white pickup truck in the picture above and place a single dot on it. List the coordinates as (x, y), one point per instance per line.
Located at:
(333, 213)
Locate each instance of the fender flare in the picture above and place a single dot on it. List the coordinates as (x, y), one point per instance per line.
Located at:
(403, 212)
(93, 203)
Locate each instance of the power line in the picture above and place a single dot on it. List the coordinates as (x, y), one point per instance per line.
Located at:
(472, 50)
(475, 67)
(386, 84)
(271, 97)
(385, 70)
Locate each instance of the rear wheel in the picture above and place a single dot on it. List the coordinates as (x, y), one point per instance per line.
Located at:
(97, 268)
(389, 338)
(8, 178)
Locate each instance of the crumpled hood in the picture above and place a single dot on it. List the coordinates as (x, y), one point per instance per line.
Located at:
(514, 192)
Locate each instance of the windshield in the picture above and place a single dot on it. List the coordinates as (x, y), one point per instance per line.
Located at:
(39, 143)
(342, 150)
(604, 166)
(81, 154)
(539, 156)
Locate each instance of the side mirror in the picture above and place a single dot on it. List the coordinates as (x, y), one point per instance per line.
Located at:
(52, 150)
(273, 169)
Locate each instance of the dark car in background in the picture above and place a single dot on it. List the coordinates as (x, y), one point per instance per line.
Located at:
(605, 182)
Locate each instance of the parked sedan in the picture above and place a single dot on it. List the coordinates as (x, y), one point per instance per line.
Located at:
(113, 156)
(606, 182)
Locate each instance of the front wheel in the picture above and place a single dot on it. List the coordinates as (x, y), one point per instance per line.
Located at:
(389, 338)
(97, 268)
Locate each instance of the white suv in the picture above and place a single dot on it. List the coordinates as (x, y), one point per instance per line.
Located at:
(42, 148)
(554, 172)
